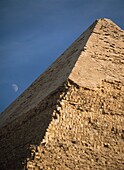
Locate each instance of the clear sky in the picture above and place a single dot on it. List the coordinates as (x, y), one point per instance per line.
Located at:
(33, 33)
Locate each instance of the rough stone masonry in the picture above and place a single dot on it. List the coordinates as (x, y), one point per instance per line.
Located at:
(72, 116)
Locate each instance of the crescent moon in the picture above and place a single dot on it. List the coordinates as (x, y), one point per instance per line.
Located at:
(15, 87)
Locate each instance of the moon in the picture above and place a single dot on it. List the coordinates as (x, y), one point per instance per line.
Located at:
(15, 87)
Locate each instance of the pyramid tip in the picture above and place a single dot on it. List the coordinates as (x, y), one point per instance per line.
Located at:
(106, 21)
(103, 20)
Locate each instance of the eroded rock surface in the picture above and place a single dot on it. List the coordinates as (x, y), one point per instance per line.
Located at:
(72, 116)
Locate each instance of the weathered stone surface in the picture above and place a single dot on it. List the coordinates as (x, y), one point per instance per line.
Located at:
(72, 116)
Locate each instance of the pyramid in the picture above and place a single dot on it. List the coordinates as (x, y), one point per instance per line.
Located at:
(72, 116)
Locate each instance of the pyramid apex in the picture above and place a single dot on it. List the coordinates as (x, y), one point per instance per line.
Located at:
(107, 21)
(102, 47)
(103, 19)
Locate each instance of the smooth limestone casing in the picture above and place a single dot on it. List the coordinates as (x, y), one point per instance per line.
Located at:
(72, 116)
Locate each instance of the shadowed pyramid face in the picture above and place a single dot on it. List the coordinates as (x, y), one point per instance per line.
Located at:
(71, 117)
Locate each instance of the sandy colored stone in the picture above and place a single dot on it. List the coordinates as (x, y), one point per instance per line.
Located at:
(72, 116)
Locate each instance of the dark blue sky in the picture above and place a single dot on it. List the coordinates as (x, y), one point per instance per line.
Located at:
(33, 33)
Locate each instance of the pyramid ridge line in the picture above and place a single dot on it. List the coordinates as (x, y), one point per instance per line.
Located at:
(81, 114)
(47, 81)
(64, 65)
